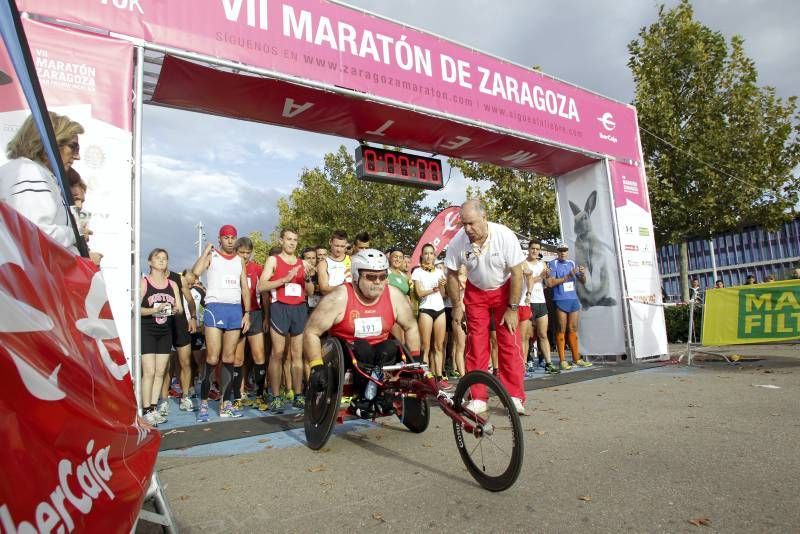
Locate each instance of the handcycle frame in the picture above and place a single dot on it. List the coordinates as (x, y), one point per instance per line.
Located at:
(408, 385)
(413, 379)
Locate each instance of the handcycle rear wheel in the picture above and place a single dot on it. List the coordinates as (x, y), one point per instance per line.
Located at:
(322, 407)
(493, 454)
(414, 413)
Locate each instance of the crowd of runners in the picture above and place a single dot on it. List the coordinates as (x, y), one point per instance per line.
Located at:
(238, 339)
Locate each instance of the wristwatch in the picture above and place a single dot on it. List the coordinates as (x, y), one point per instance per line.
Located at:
(513, 307)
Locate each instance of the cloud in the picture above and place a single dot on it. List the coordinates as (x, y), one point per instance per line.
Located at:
(217, 170)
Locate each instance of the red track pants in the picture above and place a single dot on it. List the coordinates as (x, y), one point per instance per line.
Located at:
(479, 304)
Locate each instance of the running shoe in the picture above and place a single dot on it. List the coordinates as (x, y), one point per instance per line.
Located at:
(175, 390)
(151, 419)
(583, 363)
(346, 401)
(518, 405)
(288, 396)
(238, 405)
(495, 372)
(362, 408)
(455, 375)
(565, 366)
(160, 419)
(247, 400)
(443, 384)
(299, 402)
(531, 366)
(551, 369)
(277, 404)
(260, 404)
(476, 406)
(163, 409)
(542, 363)
(186, 404)
(202, 414)
(228, 410)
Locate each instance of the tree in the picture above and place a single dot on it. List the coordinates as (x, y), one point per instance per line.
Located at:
(260, 247)
(523, 201)
(719, 150)
(332, 198)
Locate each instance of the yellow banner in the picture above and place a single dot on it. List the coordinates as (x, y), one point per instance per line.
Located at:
(752, 314)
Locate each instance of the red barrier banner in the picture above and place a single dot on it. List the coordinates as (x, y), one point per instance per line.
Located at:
(76, 455)
(439, 232)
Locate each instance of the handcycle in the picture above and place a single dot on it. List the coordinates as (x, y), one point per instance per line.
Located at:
(490, 442)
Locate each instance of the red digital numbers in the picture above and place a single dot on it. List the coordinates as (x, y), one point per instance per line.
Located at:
(396, 167)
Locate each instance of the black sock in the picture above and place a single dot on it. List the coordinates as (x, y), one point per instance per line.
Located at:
(226, 381)
(261, 377)
(238, 376)
(205, 385)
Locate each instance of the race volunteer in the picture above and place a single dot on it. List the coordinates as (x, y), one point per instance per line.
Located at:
(494, 259)
(362, 314)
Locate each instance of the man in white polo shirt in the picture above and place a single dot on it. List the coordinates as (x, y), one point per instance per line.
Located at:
(494, 259)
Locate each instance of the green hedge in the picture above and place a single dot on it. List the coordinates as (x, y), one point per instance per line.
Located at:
(677, 319)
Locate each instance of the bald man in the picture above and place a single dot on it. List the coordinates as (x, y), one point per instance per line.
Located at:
(494, 259)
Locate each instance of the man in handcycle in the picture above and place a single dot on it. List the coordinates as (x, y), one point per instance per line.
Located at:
(361, 314)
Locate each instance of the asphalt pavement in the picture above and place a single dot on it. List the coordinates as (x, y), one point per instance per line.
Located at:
(711, 447)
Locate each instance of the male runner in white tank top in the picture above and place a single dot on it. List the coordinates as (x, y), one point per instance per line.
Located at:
(224, 315)
(334, 270)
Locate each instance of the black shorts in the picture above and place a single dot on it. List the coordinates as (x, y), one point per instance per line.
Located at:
(433, 314)
(180, 331)
(539, 309)
(156, 343)
(288, 319)
(198, 341)
(256, 323)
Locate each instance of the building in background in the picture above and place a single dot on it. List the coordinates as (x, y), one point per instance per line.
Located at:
(736, 254)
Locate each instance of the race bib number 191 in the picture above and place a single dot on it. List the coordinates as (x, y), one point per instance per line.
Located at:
(367, 326)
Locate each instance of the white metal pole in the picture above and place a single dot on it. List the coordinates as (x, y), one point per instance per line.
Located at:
(713, 259)
(136, 322)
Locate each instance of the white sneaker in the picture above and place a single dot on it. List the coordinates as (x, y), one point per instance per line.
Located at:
(151, 418)
(163, 408)
(476, 406)
(186, 404)
(518, 405)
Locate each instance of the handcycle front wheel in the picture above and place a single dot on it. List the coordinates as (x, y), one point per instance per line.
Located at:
(413, 412)
(493, 452)
(322, 406)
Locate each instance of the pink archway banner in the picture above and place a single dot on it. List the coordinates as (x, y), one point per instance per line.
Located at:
(344, 47)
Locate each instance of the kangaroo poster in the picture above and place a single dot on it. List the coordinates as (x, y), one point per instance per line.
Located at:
(587, 226)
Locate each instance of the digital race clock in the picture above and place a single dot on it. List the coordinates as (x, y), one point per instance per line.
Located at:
(394, 167)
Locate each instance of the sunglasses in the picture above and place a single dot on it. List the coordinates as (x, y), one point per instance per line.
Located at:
(75, 146)
(375, 277)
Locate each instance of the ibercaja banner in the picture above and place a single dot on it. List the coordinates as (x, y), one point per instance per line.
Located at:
(76, 456)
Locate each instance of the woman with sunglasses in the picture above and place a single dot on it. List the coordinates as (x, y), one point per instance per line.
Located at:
(27, 182)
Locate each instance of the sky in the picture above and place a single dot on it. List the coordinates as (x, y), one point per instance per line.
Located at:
(200, 168)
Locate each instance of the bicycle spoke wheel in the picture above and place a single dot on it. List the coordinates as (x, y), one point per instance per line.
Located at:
(323, 406)
(493, 452)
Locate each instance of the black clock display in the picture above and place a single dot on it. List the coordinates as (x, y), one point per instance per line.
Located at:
(394, 167)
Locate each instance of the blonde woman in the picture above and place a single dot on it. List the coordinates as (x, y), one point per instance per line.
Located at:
(27, 182)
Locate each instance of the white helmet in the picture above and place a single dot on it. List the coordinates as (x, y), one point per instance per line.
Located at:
(369, 259)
